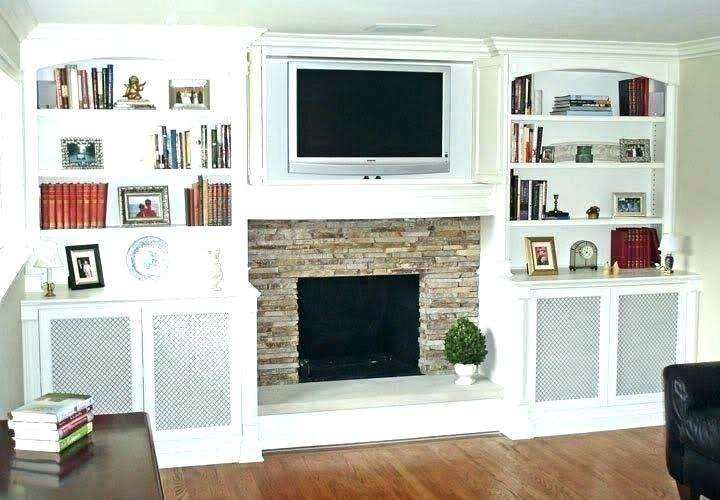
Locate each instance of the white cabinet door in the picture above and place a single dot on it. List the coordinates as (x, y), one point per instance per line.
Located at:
(188, 350)
(646, 335)
(568, 353)
(93, 349)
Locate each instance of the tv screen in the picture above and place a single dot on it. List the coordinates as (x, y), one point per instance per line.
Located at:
(343, 113)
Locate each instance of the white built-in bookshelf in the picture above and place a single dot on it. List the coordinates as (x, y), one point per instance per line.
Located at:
(582, 185)
(156, 57)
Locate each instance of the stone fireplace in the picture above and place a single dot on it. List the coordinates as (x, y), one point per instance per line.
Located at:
(442, 252)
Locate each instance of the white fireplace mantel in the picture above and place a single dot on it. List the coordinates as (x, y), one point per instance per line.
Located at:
(370, 199)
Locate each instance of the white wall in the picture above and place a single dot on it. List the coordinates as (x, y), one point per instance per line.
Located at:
(697, 190)
(11, 379)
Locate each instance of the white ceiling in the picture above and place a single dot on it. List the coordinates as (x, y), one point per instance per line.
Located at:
(631, 20)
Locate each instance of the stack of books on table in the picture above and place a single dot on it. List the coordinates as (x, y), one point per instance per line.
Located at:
(582, 105)
(51, 436)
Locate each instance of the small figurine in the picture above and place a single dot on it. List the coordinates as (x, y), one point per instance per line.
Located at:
(616, 269)
(133, 88)
(593, 212)
(606, 269)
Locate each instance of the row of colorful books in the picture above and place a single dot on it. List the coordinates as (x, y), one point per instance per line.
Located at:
(526, 143)
(582, 105)
(209, 147)
(634, 247)
(208, 204)
(641, 96)
(52, 437)
(73, 205)
(521, 102)
(77, 89)
(528, 198)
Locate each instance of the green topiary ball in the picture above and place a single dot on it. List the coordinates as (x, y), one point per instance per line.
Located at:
(465, 343)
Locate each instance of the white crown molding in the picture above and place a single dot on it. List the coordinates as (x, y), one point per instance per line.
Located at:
(18, 15)
(538, 46)
(369, 46)
(699, 48)
(246, 35)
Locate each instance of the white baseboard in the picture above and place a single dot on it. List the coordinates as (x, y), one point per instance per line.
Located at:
(186, 452)
(379, 424)
(571, 421)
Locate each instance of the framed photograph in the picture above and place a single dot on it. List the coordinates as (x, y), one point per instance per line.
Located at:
(628, 204)
(540, 252)
(189, 94)
(634, 150)
(548, 154)
(81, 152)
(144, 205)
(84, 267)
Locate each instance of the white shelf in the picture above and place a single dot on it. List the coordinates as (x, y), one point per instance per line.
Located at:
(603, 221)
(563, 118)
(134, 114)
(160, 173)
(157, 230)
(586, 166)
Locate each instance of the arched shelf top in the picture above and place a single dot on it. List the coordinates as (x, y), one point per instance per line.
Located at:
(663, 71)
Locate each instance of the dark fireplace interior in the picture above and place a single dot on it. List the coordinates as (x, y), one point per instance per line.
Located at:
(358, 327)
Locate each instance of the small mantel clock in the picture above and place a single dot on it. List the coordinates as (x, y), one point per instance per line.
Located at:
(583, 255)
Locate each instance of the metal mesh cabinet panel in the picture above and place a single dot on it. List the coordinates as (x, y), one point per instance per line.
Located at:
(94, 356)
(192, 370)
(647, 340)
(567, 348)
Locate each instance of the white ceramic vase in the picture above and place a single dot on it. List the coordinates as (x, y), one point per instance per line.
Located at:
(465, 374)
(216, 274)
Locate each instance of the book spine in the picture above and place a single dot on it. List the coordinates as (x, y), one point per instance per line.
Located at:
(74, 88)
(66, 205)
(105, 87)
(524, 200)
(75, 436)
(72, 198)
(229, 205)
(228, 146)
(84, 99)
(111, 77)
(188, 206)
(102, 204)
(214, 147)
(44, 207)
(65, 75)
(101, 73)
(205, 202)
(196, 204)
(59, 223)
(94, 82)
(85, 205)
(58, 87)
(94, 205)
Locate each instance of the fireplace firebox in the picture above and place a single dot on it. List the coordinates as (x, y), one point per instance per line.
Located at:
(358, 327)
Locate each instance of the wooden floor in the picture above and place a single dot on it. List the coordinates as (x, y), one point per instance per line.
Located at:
(627, 464)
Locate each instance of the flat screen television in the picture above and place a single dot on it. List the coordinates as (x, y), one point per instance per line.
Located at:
(368, 118)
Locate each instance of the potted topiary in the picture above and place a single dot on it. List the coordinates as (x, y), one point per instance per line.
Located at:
(465, 349)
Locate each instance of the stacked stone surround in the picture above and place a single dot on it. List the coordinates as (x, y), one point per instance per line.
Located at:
(444, 252)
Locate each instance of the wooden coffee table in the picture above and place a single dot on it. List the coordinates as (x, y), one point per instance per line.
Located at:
(121, 465)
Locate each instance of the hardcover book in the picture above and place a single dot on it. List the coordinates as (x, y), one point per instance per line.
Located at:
(54, 446)
(52, 407)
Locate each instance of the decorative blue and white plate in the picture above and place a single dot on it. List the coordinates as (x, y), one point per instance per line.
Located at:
(147, 258)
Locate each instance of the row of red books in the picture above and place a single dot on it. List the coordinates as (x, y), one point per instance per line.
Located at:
(73, 205)
(76, 89)
(641, 96)
(634, 247)
(208, 204)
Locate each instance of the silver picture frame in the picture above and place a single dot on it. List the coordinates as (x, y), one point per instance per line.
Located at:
(81, 153)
